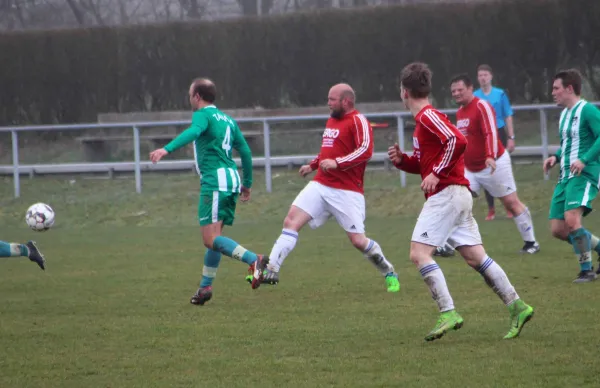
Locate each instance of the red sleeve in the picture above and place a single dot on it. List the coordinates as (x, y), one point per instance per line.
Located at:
(453, 142)
(314, 164)
(363, 134)
(409, 164)
(490, 132)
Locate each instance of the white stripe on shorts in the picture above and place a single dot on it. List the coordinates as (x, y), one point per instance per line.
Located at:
(235, 183)
(222, 178)
(215, 207)
(586, 194)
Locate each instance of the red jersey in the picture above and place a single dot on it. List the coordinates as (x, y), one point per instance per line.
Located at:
(477, 121)
(349, 141)
(438, 149)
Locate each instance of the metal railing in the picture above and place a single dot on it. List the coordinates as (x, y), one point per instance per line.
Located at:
(266, 161)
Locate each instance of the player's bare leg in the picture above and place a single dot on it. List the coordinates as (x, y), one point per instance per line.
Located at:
(372, 252)
(496, 279)
(422, 256)
(572, 231)
(522, 219)
(216, 245)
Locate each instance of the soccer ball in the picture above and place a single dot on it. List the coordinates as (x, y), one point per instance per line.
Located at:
(39, 217)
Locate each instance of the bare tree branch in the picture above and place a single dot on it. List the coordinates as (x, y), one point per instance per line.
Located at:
(250, 7)
(135, 9)
(18, 11)
(77, 12)
(91, 6)
(193, 9)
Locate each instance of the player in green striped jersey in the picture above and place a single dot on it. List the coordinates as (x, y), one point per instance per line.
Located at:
(215, 135)
(579, 161)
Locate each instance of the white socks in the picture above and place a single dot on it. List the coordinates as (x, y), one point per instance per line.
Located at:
(434, 278)
(283, 246)
(525, 225)
(497, 280)
(492, 273)
(374, 254)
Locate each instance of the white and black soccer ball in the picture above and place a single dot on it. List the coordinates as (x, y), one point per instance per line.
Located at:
(39, 217)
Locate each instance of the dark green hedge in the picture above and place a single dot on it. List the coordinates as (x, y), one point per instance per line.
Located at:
(70, 76)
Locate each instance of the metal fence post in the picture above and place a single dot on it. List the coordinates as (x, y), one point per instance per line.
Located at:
(136, 155)
(401, 143)
(15, 155)
(266, 134)
(544, 132)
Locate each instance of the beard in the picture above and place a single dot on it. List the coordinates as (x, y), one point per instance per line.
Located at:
(337, 113)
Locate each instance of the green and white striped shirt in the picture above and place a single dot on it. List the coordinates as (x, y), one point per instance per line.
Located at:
(579, 129)
(215, 135)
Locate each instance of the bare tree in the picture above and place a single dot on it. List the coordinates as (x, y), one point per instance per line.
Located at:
(77, 12)
(250, 7)
(42, 14)
(192, 8)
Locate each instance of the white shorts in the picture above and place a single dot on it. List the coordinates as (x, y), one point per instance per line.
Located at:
(322, 202)
(499, 184)
(448, 214)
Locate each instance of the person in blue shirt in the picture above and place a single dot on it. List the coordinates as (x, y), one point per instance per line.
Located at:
(504, 121)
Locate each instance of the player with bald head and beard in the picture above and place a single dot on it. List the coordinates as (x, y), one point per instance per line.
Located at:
(337, 190)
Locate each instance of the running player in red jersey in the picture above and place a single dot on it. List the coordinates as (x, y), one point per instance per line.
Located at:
(487, 164)
(439, 158)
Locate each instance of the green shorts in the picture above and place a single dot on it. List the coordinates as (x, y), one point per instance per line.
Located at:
(215, 206)
(571, 194)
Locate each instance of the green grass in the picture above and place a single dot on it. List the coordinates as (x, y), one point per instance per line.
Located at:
(112, 309)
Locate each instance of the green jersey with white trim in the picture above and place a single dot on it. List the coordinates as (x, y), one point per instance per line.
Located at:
(215, 135)
(579, 129)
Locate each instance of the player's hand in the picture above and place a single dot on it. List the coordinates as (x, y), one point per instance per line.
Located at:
(245, 194)
(429, 183)
(549, 163)
(305, 170)
(395, 154)
(157, 155)
(577, 167)
(491, 163)
(510, 145)
(328, 164)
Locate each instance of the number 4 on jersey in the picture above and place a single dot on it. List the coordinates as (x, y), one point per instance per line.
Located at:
(226, 145)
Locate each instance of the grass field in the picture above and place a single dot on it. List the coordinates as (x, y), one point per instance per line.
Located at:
(112, 309)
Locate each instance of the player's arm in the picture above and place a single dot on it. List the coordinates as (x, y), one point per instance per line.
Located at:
(507, 114)
(199, 125)
(454, 143)
(363, 134)
(489, 129)
(404, 162)
(314, 164)
(241, 146)
(592, 116)
(558, 152)
(552, 160)
(310, 167)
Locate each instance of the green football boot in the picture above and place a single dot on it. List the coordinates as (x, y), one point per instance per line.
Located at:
(520, 314)
(392, 282)
(448, 320)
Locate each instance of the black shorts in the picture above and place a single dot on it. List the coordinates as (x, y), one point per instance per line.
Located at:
(503, 136)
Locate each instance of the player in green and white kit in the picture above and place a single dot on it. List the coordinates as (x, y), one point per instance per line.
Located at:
(214, 135)
(29, 250)
(579, 160)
